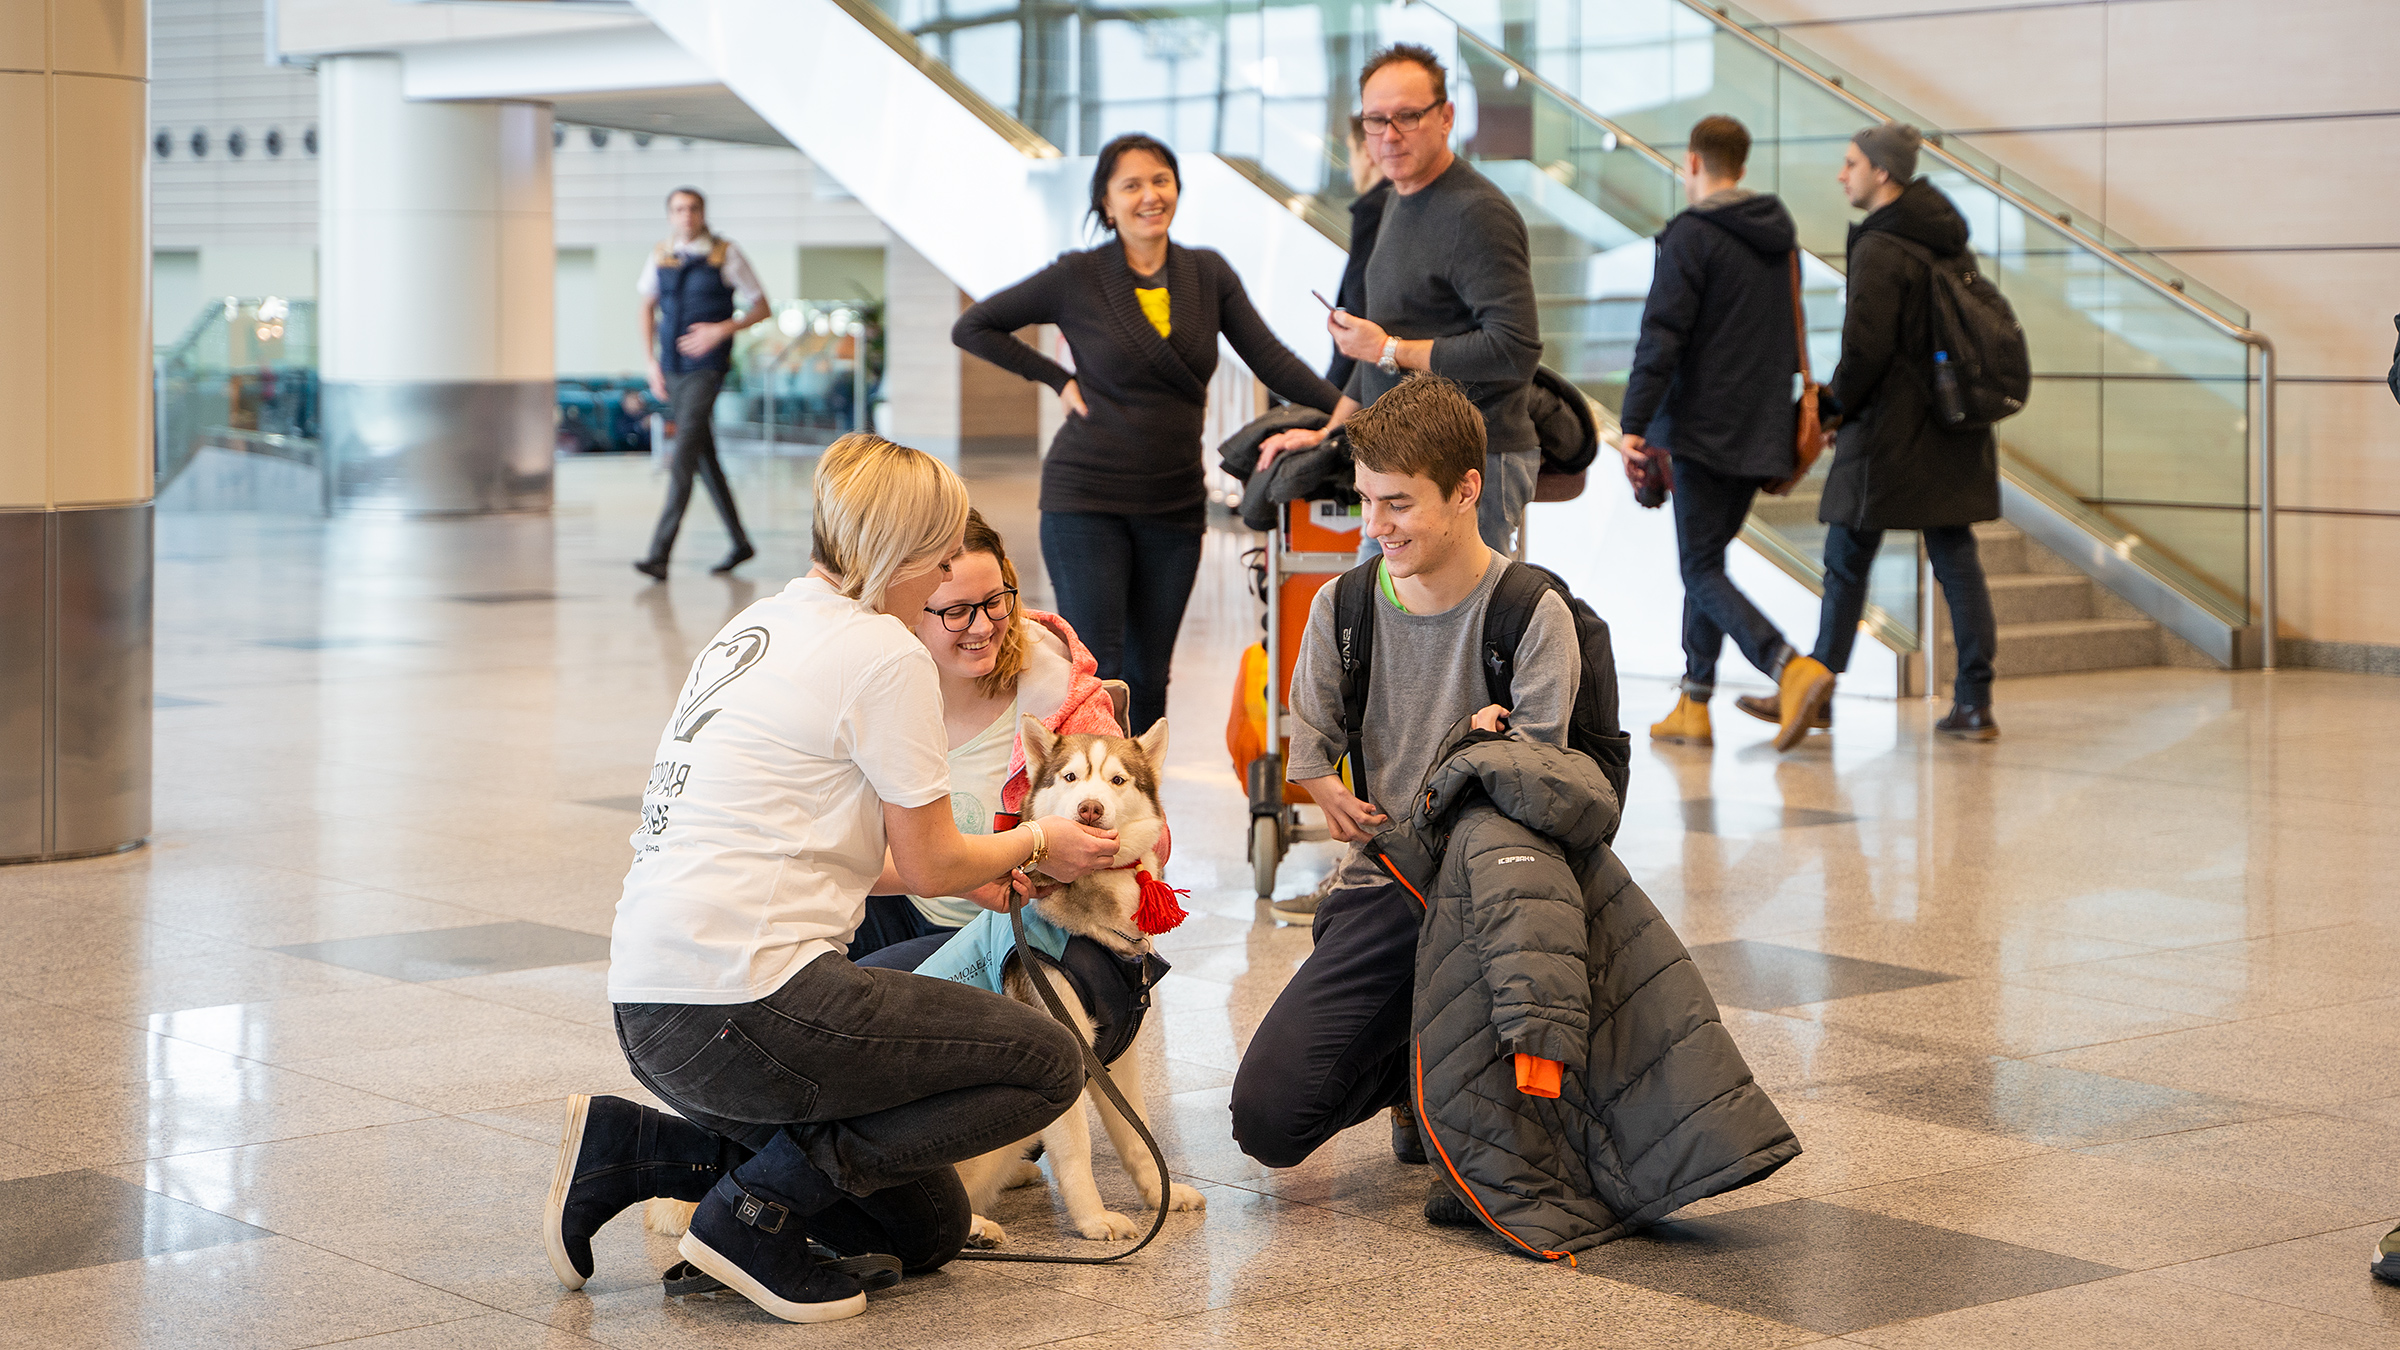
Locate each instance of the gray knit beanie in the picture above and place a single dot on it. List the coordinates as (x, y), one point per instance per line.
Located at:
(1891, 147)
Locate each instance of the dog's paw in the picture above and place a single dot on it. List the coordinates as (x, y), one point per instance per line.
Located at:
(1107, 1224)
(1179, 1197)
(670, 1217)
(983, 1234)
(1027, 1173)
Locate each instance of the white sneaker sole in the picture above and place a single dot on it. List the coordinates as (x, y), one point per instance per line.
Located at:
(570, 1147)
(738, 1280)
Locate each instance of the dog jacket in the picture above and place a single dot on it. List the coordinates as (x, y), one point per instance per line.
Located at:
(1113, 989)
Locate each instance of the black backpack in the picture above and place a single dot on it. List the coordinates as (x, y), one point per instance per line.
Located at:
(1982, 371)
(1591, 728)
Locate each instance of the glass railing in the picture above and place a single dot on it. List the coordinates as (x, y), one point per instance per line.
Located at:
(2140, 407)
(1270, 88)
(243, 378)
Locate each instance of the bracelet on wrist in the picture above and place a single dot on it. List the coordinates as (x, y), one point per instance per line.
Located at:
(1041, 845)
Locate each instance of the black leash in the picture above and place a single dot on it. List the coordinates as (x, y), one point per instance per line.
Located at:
(1028, 955)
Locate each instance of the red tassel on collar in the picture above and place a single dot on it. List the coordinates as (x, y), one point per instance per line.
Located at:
(1158, 911)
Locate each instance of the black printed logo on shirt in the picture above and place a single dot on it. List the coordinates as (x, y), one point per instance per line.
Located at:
(715, 669)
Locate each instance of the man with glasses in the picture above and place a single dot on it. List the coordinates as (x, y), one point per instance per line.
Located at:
(1449, 287)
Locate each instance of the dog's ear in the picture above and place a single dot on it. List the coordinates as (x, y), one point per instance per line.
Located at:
(1039, 742)
(1154, 743)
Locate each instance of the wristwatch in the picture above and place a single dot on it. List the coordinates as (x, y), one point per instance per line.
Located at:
(1390, 364)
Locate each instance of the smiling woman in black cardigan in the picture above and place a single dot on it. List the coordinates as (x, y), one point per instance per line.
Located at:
(1123, 507)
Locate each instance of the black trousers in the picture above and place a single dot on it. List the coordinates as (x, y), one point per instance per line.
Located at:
(890, 921)
(1709, 510)
(1122, 583)
(692, 403)
(1850, 556)
(1333, 1050)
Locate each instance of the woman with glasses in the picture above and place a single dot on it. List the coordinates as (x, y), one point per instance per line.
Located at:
(996, 660)
(1123, 506)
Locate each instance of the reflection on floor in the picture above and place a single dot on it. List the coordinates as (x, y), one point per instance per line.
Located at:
(2091, 1034)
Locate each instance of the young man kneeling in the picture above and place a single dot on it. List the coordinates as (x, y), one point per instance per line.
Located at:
(1333, 1050)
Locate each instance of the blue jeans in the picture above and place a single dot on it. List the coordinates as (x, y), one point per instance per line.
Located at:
(1850, 555)
(1122, 583)
(1709, 510)
(881, 1077)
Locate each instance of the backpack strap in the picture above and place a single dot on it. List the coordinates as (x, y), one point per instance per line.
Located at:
(1520, 590)
(1354, 644)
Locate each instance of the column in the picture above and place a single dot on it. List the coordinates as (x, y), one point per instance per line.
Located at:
(436, 264)
(75, 552)
(942, 400)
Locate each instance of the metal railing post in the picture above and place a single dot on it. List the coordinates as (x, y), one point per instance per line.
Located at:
(2269, 634)
(859, 421)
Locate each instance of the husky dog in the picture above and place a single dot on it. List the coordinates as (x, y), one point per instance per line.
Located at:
(1107, 783)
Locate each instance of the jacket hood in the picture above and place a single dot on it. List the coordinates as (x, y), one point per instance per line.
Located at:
(1548, 789)
(1758, 219)
(1924, 216)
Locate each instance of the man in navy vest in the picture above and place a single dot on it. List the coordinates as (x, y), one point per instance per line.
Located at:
(697, 292)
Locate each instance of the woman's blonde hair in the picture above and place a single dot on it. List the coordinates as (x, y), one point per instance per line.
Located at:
(1016, 647)
(883, 511)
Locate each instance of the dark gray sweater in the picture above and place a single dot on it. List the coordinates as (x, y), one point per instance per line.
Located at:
(1451, 263)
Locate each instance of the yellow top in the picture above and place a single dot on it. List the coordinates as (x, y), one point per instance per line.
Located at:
(1154, 308)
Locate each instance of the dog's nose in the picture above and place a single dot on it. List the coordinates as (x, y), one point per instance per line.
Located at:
(1090, 812)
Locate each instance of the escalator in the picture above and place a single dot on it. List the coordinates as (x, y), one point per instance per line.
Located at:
(967, 125)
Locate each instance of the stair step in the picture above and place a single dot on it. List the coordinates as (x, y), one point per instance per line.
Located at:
(2039, 597)
(2060, 646)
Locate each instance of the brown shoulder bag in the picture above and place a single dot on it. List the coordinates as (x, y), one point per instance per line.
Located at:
(1809, 438)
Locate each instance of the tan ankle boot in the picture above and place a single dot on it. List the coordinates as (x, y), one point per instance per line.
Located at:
(1687, 725)
(1801, 694)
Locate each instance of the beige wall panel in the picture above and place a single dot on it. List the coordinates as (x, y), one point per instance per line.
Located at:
(24, 36)
(2261, 183)
(97, 37)
(2338, 446)
(2341, 578)
(2068, 165)
(100, 268)
(2006, 67)
(25, 234)
(2240, 58)
(2328, 313)
(921, 368)
(995, 402)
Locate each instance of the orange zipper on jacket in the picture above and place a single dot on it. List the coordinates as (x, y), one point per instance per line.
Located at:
(1416, 1054)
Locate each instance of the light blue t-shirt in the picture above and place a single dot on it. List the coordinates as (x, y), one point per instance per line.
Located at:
(977, 953)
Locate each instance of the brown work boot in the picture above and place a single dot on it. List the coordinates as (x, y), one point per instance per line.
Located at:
(1801, 694)
(1687, 725)
(1766, 708)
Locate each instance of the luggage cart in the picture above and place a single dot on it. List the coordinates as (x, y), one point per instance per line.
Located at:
(1317, 542)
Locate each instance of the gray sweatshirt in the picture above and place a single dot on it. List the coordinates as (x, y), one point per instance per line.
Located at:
(1451, 263)
(1426, 673)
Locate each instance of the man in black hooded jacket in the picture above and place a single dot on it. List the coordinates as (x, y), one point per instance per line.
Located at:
(1712, 387)
(1896, 465)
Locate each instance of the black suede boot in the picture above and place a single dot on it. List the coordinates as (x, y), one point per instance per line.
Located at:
(752, 1233)
(1444, 1208)
(1408, 1145)
(613, 1154)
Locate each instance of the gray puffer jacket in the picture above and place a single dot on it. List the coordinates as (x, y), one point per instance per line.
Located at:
(1537, 942)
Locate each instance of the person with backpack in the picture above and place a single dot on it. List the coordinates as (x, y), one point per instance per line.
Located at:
(1332, 1051)
(1711, 388)
(1908, 455)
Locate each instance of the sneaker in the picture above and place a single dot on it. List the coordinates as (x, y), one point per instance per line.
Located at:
(1301, 910)
(1408, 1144)
(1800, 695)
(750, 1233)
(742, 553)
(1444, 1208)
(1969, 722)
(1766, 708)
(2385, 1264)
(612, 1155)
(1687, 725)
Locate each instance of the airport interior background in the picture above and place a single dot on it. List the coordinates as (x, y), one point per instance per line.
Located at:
(327, 696)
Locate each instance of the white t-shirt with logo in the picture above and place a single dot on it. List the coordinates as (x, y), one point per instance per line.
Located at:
(762, 825)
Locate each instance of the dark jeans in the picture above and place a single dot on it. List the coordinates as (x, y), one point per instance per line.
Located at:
(1709, 510)
(692, 404)
(1122, 582)
(1333, 1050)
(1849, 556)
(881, 1077)
(891, 919)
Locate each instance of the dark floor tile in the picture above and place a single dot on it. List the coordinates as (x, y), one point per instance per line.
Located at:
(2041, 1103)
(1830, 1269)
(631, 802)
(176, 701)
(70, 1220)
(1762, 975)
(1707, 815)
(509, 597)
(334, 644)
(453, 953)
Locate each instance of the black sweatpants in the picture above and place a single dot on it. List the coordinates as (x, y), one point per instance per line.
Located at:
(1333, 1050)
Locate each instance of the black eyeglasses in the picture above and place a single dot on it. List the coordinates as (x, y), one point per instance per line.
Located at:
(1375, 124)
(998, 607)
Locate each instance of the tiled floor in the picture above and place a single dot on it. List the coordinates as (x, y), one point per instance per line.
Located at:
(2092, 1035)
